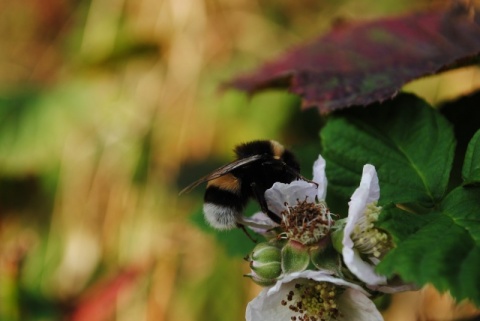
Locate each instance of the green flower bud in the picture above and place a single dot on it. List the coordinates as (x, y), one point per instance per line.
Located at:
(265, 262)
(271, 270)
(260, 281)
(265, 252)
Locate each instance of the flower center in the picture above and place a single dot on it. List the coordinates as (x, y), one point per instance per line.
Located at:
(367, 238)
(306, 222)
(313, 301)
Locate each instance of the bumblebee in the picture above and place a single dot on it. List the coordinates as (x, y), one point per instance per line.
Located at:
(258, 165)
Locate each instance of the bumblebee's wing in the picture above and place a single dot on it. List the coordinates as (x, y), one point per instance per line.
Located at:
(225, 169)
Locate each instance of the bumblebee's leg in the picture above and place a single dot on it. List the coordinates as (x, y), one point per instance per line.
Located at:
(263, 204)
(246, 232)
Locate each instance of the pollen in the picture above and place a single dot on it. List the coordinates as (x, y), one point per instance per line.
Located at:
(315, 301)
(368, 239)
(306, 222)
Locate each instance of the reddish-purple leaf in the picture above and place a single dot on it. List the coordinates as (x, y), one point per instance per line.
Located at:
(100, 302)
(365, 62)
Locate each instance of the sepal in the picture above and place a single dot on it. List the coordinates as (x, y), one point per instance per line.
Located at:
(295, 257)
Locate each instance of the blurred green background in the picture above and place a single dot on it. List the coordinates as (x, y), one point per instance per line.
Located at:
(107, 109)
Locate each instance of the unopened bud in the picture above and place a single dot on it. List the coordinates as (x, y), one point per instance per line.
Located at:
(260, 281)
(265, 262)
(265, 252)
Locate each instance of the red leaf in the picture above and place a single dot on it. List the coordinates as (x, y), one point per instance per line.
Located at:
(100, 302)
(365, 62)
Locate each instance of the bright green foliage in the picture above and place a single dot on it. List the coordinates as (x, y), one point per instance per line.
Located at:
(436, 233)
(442, 247)
(410, 144)
(401, 224)
(471, 166)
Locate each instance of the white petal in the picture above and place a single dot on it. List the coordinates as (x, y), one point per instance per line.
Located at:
(354, 305)
(281, 193)
(320, 177)
(259, 222)
(366, 193)
(369, 182)
(268, 307)
(320, 276)
(362, 270)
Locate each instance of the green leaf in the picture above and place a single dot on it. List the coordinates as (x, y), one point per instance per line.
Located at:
(410, 144)
(441, 248)
(471, 166)
(464, 115)
(401, 224)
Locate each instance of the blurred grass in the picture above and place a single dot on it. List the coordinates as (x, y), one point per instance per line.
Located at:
(102, 103)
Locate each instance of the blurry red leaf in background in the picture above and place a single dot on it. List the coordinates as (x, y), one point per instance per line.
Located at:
(365, 62)
(100, 302)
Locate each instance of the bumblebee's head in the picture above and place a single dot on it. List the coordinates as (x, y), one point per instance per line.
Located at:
(283, 154)
(288, 158)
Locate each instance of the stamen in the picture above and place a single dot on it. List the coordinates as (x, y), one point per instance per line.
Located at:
(306, 222)
(315, 301)
(367, 238)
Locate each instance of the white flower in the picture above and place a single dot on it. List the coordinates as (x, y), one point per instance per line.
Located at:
(314, 294)
(281, 196)
(281, 193)
(300, 205)
(363, 244)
